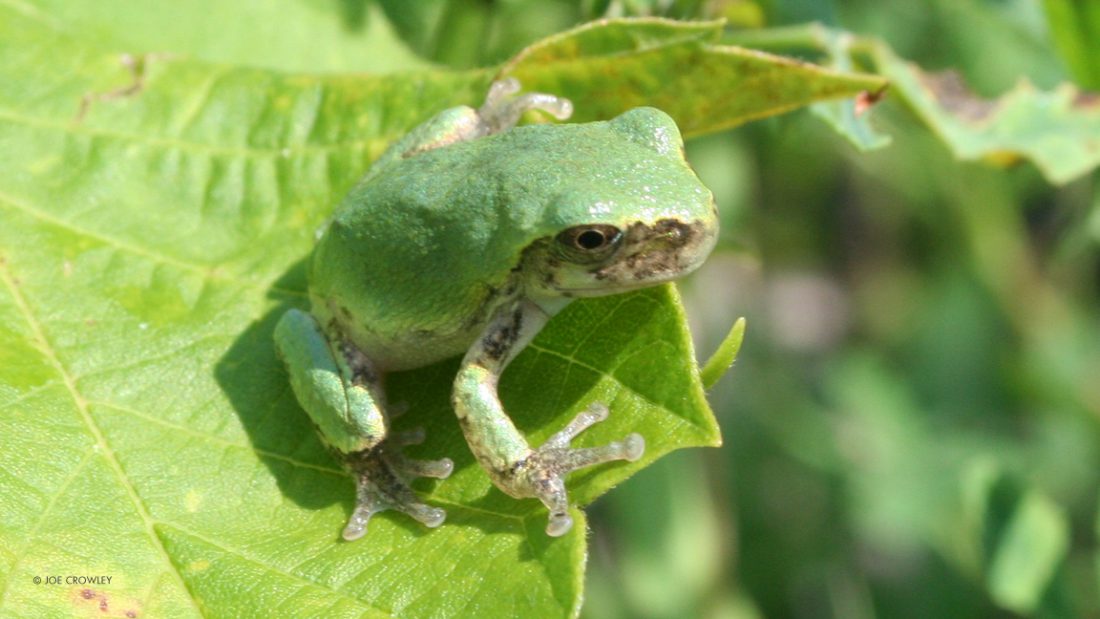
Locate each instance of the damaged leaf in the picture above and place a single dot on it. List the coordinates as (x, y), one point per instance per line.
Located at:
(614, 65)
(849, 117)
(1057, 130)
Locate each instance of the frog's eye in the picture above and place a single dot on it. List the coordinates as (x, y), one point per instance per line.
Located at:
(591, 242)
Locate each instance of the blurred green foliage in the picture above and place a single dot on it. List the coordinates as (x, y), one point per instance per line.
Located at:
(911, 428)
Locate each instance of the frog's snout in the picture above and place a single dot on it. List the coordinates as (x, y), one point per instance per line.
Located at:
(658, 252)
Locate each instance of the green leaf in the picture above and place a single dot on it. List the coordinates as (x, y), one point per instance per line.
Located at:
(1034, 545)
(678, 67)
(1075, 26)
(848, 117)
(1058, 130)
(156, 217)
(296, 35)
(1093, 222)
(724, 357)
(1023, 535)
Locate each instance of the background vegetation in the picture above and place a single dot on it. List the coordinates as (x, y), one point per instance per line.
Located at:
(911, 429)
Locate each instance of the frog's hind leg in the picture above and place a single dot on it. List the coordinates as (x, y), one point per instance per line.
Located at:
(502, 110)
(382, 473)
(341, 392)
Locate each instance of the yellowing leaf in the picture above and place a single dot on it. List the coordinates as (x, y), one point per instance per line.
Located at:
(1058, 130)
(617, 64)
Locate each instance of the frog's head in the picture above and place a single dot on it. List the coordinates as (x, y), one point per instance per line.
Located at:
(646, 218)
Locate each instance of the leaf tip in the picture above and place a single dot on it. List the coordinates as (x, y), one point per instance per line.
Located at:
(724, 356)
(868, 98)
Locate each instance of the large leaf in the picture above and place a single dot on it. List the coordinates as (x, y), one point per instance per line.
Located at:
(1057, 130)
(154, 226)
(678, 67)
(295, 35)
(847, 116)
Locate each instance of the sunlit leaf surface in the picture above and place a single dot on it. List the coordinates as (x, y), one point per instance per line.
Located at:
(156, 211)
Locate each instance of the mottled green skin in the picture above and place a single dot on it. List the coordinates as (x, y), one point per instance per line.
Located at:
(416, 255)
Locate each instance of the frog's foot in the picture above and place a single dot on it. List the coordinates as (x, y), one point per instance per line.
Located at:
(541, 474)
(382, 480)
(502, 110)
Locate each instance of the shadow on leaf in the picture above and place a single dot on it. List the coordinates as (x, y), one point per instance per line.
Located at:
(256, 383)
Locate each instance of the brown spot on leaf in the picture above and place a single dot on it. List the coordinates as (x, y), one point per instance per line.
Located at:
(89, 600)
(956, 97)
(1087, 99)
(867, 99)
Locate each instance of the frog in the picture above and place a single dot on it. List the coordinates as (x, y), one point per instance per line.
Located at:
(465, 238)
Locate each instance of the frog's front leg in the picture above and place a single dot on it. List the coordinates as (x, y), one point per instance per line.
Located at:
(337, 386)
(499, 447)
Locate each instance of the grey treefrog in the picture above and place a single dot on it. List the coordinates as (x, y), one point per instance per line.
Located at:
(465, 238)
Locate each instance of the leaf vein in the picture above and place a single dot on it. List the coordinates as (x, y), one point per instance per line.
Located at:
(289, 460)
(618, 382)
(93, 429)
(207, 272)
(46, 511)
(301, 580)
(178, 144)
(139, 362)
(217, 439)
(198, 101)
(26, 395)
